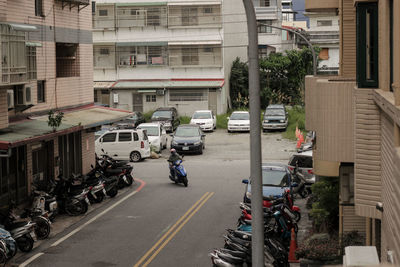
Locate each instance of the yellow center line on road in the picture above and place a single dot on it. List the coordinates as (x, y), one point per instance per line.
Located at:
(177, 230)
(142, 259)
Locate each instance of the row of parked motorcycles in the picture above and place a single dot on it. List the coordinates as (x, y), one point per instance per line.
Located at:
(280, 219)
(69, 196)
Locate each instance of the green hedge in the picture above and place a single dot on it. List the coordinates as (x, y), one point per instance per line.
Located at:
(297, 117)
(147, 115)
(184, 119)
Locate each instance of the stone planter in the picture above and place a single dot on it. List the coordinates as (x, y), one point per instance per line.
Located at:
(317, 263)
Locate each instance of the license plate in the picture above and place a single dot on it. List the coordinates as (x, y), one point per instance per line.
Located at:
(185, 148)
(104, 192)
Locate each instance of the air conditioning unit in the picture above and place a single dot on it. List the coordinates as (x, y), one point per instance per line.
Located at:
(10, 99)
(24, 96)
(160, 92)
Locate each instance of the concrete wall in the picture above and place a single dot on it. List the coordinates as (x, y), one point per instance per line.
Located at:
(347, 15)
(318, 4)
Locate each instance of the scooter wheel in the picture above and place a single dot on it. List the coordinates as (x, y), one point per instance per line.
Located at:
(298, 216)
(25, 243)
(304, 193)
(75, 209)
(100, 197)
(3, 256)
(42, 228)
(185, 181)
(84, 207)
(113, 191)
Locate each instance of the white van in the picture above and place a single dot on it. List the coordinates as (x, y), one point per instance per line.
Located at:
(126, 144)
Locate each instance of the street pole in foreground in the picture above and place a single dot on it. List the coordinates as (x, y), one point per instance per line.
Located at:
(257, 240)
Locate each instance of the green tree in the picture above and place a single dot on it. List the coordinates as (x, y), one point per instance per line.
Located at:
(239, 84)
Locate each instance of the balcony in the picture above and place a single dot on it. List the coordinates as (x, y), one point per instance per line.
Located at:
(317, 5)
(267, 13)
(329, 112)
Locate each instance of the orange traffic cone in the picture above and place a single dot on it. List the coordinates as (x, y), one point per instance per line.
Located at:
(293, 247)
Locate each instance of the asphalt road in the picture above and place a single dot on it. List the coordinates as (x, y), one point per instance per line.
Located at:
(164, 224)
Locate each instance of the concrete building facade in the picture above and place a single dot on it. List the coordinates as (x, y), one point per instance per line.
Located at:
(46, 52)
(356, 117)
(171, 53)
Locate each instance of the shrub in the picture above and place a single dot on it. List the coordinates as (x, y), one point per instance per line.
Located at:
(147, 115)
(319, 247)
(297, 117)
(184, 119)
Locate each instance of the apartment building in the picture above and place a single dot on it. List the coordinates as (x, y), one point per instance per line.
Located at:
(324, 33)
(46, 64)
(356, 117)
(170, 53)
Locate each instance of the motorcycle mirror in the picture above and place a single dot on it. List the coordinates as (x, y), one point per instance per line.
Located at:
(115, 155)
(245, 181)
(102, 150)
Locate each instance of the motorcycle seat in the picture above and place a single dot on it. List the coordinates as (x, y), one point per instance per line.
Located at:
(114, 171)
(239, 254)
(240, 241)
(14, 225)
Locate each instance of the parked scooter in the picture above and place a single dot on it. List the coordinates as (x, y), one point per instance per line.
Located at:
(8, 246)
(112, 167)
(301, 185)
(178, 173)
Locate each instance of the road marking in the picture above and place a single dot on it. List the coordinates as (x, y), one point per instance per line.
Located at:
(177, 230)
(142, 184)
(31, 259)
(169, 231)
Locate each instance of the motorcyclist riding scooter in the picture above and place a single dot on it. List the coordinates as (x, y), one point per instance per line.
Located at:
(177, 172)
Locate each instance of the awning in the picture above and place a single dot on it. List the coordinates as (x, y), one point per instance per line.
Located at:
(33, 44)
(194, 3)
(147, 91)
(173, 83)
(21, 27)
(36, 129)
(142, 44)
(142, 4)
(195, 43)
(102, 85)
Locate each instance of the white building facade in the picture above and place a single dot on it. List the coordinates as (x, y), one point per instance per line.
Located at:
(324, 32)
(177, 53)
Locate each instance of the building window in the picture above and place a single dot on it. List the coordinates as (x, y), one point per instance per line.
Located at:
(202, 55)
(324, 54)
(322, 23)
(189, 16)
(187, 95)
(31, 62)
(190, 56)
(142, 16)
(103, 12)
(265, 3)
(208, 10)
(367, 45)
(142, 55)
(39, 8)
(41, 92)
(151, 98)
(70, 153)
(93, 8)
(67, 60)
(262, 26)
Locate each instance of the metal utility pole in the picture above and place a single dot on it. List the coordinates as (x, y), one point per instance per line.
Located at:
(257, 240)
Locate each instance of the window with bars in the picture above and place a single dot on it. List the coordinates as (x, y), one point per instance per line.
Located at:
(189, 16)
(265, 3)
(31, 62)
(195, 55)
(41, 91)
(142, 16)
(188, 95)
(142, 55)
(322, 23)
(151, 98)
(39, 8)
(195, 16)
(67, 60)
(262, 26)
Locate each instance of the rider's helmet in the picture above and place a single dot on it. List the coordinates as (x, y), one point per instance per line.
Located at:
(173, 151)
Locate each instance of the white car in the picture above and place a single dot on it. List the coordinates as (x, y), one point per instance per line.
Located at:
(205, 119)
(239, 121)
(126, 144)
(156, 133)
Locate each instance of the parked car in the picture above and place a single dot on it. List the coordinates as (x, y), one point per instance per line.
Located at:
(131, 122)
(206, 119)
(305, 163)
(188, 138)
(276, 178)
(156, 134)
(127, 144)
(168, 116)
(239, 121)
(275, 118)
